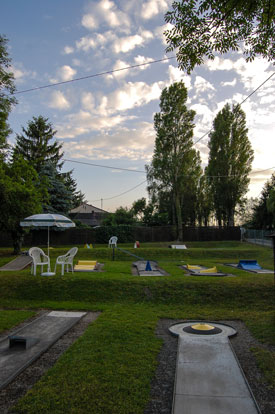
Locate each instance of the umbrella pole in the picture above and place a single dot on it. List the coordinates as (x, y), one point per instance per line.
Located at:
(49, 268)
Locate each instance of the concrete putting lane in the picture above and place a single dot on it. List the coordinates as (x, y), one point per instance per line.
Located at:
(209, 379)
(24, 346)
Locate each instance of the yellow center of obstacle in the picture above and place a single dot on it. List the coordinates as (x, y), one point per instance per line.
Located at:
(202, 327)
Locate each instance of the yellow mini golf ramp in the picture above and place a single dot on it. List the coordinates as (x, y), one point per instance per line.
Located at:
(85, 266)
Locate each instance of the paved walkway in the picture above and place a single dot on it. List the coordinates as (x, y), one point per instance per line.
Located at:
(20, 263)
(24, 346)
(209, 379)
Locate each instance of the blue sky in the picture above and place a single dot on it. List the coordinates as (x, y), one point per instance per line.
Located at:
(108, 120)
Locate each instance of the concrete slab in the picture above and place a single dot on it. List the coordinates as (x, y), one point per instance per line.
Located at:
(208, 376)
(41, 333)
(19, 263)
(140, 269)
(208, 405)
(264, 271)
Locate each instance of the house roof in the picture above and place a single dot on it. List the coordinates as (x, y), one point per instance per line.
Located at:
(87, 209)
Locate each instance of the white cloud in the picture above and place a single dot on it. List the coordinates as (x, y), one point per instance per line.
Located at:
(66, 73)
(83, 122)
(88, 101)
(202, 85)
(159, 32)
(68, 50)
(176, 75)
(153, 7)
(89, 22)
(96, 41)
(127, 43)
(120, 64)
(106, 12)
(228, 83)
(132, 143)
(21, 74)
(133, 95)
(59, 101)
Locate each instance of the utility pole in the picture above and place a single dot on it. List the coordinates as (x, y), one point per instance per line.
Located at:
(101, 203)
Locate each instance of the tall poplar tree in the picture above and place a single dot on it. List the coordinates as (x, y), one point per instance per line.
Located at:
(7, 88)
(230, 160)
(175, 164)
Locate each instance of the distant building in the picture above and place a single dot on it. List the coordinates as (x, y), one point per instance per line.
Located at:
(88, 214)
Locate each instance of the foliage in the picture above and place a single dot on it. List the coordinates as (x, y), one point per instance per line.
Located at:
(204, 201)
(123, 232)
(35, 146)
(20, 197)
(122, 216)
(230, 160)
(175, 166)
(77, 197)
(7, 89)
(59, 198)
(203, 27)
(263, 214)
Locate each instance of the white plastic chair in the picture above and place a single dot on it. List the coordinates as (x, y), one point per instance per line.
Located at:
(39, 258)
(67, 259)
(113, 241)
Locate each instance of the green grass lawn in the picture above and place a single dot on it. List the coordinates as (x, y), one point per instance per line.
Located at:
(110, 367)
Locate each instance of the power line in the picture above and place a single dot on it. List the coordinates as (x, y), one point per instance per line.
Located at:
(255, 90)
(108, 72)
(121, 194)
(140, 171)
(105, 166)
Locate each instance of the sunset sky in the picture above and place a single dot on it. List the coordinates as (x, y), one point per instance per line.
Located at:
(108, 119)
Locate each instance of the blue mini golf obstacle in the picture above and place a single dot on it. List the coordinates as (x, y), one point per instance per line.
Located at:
(249, 265)
(148, 267)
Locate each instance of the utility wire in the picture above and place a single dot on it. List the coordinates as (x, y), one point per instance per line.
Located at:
(121, 194)
(105, 166)
(144, 172)
(255, 90)
(108, 72)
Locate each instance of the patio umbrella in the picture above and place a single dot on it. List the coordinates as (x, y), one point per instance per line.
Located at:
(47, 220)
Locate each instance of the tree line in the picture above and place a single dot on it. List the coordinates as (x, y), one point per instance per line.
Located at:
(31, 177)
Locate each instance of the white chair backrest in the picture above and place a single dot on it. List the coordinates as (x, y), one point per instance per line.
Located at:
(113, 240)
(72, 252)
(35, 253)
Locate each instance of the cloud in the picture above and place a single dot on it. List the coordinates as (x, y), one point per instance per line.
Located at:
(127, 43)
(59, 101)
(68, 50)
(159, 32)
(21, 74)
(133, 95)
(151, 8)
(228, 83)
(135, 143)
(176, 75)
(202, 85)
(65, 73)
(106, 12)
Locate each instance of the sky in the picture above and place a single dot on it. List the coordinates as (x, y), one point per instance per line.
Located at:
(108, 120)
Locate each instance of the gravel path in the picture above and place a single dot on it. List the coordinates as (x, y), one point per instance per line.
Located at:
(163, 382)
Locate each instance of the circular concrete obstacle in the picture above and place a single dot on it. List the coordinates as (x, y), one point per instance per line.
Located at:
(202, 328)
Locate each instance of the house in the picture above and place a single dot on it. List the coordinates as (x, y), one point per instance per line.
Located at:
(88, 214)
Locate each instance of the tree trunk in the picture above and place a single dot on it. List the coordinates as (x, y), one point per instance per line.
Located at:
(179, 218)
(17, 240)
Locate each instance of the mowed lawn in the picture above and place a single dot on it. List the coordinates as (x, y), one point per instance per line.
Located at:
(109, 368)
